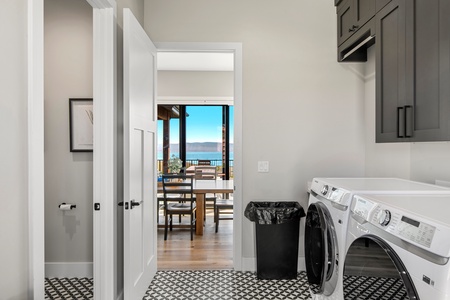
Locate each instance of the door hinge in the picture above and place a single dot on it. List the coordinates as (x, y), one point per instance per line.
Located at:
(96, 206)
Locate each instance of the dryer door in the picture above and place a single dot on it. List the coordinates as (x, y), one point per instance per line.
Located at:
(373, 270)
(321, 250)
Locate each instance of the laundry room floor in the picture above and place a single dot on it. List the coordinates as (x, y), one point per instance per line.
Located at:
(224, 284)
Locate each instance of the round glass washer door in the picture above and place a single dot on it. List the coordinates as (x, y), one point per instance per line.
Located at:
(321, 250)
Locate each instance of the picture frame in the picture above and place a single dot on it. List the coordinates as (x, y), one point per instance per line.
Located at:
(81, 119)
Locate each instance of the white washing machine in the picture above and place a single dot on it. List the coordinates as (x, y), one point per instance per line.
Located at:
(327, 221)
(398, 248)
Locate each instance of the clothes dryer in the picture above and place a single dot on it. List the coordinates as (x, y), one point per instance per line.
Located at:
(398, 248)
(327, 221)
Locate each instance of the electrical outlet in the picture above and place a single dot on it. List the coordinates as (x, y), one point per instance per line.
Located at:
(263, 166)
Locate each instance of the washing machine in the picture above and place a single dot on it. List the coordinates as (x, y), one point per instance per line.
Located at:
(326, 225)
(398, 248)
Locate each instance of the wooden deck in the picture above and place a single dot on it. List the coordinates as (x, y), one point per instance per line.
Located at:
(211, 251)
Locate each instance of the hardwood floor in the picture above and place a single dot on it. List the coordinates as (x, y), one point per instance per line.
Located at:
(212, 251)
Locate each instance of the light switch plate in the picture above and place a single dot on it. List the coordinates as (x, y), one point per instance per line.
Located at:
(263, 166)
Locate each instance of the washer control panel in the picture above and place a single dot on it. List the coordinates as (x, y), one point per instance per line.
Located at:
(331, 193)
(395, 221)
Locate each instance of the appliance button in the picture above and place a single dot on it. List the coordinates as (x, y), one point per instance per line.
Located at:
(384, 217)
(324, 190)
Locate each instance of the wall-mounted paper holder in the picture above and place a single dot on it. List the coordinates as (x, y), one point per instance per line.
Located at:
(65, 206)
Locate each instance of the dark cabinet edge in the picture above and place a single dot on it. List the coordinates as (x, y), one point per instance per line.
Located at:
(355, 48)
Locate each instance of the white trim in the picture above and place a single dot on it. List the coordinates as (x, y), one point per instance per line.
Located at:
(36, 149)
(102, 3)
(236, 48)
(183, 100)
(69, 269)
(249, 264)
(104, 92)
(105, 158)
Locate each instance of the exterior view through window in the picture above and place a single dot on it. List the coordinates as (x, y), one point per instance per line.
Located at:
(196, 134)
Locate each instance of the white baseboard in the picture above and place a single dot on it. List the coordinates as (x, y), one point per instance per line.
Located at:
(69, 269)
(249, 264)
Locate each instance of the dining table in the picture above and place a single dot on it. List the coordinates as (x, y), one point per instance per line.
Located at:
(200, 189)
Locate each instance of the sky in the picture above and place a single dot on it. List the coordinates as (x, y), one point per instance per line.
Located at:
(203, 124)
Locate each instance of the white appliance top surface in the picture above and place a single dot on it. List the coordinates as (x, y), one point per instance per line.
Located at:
(383, 185)
(428, 207)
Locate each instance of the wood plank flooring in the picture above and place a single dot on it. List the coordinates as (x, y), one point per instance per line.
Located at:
(212, 251)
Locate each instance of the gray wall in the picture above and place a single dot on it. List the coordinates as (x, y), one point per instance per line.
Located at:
(68, 175)
(13, 158)
(302, 111)
(424, 162)
(195, 84)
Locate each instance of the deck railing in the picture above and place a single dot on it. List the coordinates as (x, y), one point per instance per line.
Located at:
(194, 162)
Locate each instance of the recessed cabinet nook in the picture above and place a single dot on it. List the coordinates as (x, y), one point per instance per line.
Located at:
(412, 42)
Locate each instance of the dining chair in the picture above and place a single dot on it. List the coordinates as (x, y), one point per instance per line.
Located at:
(207, 173)
(178, 199)
(223, 211)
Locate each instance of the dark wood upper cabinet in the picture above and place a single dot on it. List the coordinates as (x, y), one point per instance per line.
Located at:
(353, 14)
(413, 71)
(346, 21)
(356, 28)
(390, 71)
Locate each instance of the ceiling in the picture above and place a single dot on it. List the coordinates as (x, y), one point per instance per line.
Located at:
(195, 61)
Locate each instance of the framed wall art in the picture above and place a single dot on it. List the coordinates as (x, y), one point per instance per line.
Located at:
(81, 115)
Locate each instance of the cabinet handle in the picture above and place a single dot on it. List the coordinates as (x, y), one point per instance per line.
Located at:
(353, 28)
(400, 124)
(408, 121)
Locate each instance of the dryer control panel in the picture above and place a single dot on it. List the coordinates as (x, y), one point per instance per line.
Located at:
(400, 223)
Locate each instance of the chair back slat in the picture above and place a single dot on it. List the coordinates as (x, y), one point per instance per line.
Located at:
(178, 184)
(205, 173)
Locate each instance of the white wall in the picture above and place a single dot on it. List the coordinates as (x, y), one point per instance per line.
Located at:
(424, 162)
(302, 111)
(68, 175)
(13, 158)
(195, 84)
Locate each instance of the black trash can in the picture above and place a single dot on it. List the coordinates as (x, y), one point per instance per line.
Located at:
(277, 235)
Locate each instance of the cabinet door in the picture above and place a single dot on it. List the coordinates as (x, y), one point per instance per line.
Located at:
(429, 87)
(365, 10)
(345, 21)
(390, 72)
(379, 4)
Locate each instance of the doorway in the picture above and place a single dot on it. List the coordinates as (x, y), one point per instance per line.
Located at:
(186, 95)
(201, 136)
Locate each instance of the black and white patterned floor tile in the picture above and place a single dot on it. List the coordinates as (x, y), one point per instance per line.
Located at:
(69, 288)
(374, 288)
(223, 284)
(227, 284)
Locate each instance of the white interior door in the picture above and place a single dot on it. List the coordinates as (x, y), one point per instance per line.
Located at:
(140, 121)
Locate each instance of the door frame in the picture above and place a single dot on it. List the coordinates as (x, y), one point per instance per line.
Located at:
(104, 65)
(236, 49)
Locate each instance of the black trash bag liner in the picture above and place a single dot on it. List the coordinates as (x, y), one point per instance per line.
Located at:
(273, 212)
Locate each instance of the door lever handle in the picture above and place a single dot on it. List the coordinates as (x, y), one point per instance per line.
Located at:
(134, 203)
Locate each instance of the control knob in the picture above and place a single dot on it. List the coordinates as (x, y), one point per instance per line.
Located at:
(324, 190)
(384, 217)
